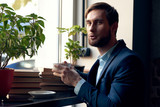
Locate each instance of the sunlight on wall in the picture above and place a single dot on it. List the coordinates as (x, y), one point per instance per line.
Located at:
(48, 54)
(23, 7)
(67, 22)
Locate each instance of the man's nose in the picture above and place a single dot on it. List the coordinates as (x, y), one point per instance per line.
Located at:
(92, 27)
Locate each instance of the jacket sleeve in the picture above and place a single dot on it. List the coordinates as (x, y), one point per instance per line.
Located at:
(124, 89)
(83, 75)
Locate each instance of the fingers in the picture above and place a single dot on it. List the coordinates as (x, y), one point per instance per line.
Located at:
(67, 73)
(63, 66)
(57, 68)
(60, 69)
(57, 74)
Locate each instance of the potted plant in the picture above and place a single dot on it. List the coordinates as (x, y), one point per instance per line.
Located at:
(73, 48)
(19, 36)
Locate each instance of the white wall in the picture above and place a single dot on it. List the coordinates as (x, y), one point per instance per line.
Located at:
(48, 54)
(125, 10)
(67, 22)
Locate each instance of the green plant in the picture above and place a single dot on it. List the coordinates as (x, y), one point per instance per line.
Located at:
(19, 35)
(72, 48)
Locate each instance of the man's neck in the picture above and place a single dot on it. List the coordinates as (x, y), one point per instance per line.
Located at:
(105, 48)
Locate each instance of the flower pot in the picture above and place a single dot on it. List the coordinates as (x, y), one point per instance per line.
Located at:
(6, 79)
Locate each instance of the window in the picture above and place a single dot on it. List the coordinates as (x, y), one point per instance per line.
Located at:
(66, 22)
(48, 54)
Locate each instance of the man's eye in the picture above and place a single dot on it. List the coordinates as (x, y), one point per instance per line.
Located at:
(88, 23)
(99, 22)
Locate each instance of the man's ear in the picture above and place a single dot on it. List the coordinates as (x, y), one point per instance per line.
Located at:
(114, 28)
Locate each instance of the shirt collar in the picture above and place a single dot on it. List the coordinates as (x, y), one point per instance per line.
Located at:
(106, 55)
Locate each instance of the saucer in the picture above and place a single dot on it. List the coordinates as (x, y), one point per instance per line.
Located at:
(42, 94)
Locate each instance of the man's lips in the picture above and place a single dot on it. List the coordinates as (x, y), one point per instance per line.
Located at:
(92, 37)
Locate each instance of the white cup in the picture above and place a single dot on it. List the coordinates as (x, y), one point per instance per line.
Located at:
(54, 68)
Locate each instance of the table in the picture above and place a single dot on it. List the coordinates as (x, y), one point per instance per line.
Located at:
(57, 100)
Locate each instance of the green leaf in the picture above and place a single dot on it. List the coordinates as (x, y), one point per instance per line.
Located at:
(40, 22)
(9, 8)
(42, 37)
(41, 18)
(32, 15)
(36, 26)
(61, 30)
(5, 19)
(66, 50)
(5, 24)
(3, 5)
(27, 29)
(25, 40)
(19, 16)
(10, 12)
(72, 33)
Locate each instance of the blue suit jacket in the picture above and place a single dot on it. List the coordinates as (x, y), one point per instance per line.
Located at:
(121, 84)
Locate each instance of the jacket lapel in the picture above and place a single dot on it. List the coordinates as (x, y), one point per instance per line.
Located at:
(115, 52)
(93, 72)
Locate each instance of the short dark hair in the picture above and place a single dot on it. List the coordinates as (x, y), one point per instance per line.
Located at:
(111, 12)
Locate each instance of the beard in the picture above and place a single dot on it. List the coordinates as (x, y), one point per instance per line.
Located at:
(102, 41)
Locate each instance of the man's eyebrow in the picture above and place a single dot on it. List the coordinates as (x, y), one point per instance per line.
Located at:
(95, 20)
(99, 20)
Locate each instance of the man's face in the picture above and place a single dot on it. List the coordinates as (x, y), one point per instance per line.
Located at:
(98, 28)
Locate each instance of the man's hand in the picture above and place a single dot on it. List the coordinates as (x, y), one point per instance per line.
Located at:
(67, 73)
